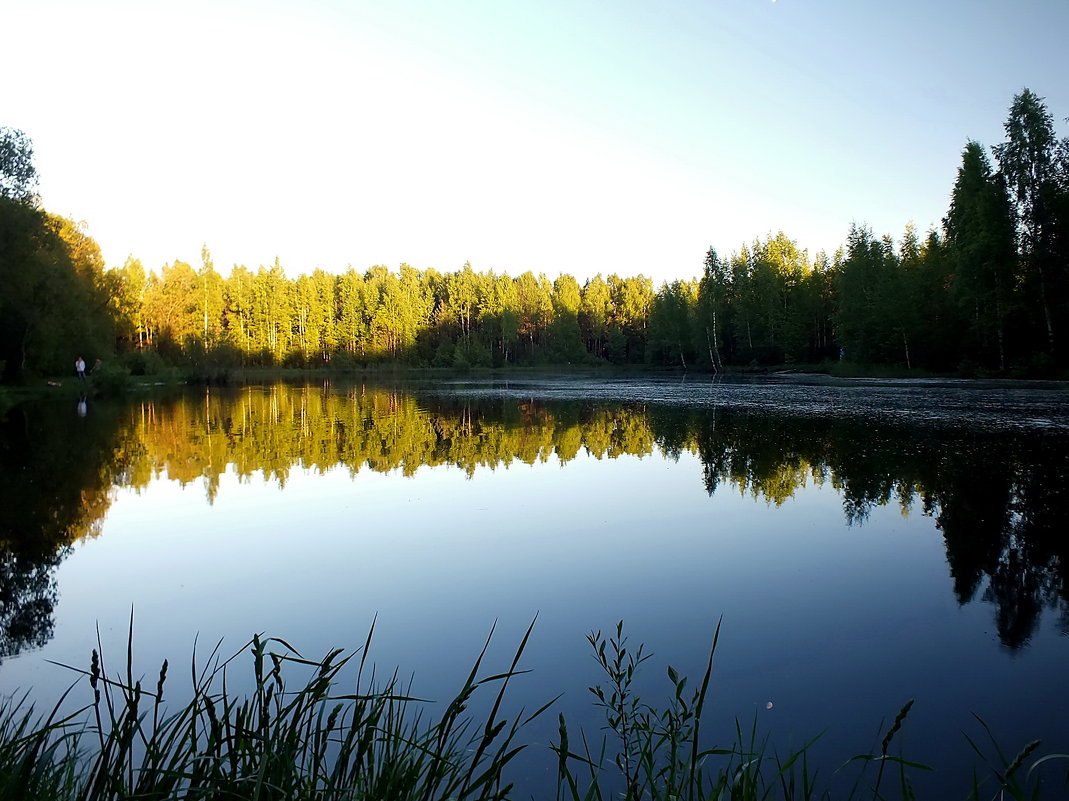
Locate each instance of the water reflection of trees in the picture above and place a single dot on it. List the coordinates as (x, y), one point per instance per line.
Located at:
(269, 432)
(999, 500)
(58, 471)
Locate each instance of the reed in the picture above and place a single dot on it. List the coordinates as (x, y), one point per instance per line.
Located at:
(279, 741)
(297, 735)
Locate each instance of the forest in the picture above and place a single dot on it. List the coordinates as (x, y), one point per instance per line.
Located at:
(987, 294)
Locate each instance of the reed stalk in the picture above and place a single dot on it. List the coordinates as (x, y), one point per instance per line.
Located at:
(297, 736)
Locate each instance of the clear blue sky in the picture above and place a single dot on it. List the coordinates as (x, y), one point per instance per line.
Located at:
(575, 137)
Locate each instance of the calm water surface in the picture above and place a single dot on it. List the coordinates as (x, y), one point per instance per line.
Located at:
(864, 542)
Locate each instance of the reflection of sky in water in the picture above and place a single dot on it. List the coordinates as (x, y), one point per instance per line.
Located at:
(837, 625)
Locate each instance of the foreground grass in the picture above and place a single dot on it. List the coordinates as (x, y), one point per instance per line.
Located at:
(309, 740)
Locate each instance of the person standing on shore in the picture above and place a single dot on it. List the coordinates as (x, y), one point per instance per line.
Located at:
(79, 368)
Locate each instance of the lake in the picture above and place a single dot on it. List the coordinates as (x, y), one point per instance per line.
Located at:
(863, 543)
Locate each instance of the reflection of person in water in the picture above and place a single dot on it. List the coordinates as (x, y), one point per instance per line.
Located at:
(82, 409)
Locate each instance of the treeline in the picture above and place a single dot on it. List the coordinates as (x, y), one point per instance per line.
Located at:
(989, 291)
(418, 317)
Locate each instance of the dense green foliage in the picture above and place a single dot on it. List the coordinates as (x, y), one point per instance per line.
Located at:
(989, 292)
(18, 176)
(54, 292)
(55, 295)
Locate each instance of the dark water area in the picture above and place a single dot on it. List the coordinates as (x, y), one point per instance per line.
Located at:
(863, 543)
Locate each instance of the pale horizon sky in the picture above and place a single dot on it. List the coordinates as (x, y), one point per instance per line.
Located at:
(559, 137)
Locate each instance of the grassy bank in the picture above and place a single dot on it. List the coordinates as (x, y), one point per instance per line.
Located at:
(299, 735)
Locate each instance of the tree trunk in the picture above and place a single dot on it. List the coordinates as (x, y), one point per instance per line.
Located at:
(22, 351)
(998, 326)
(1046, 306)
(710, 341)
